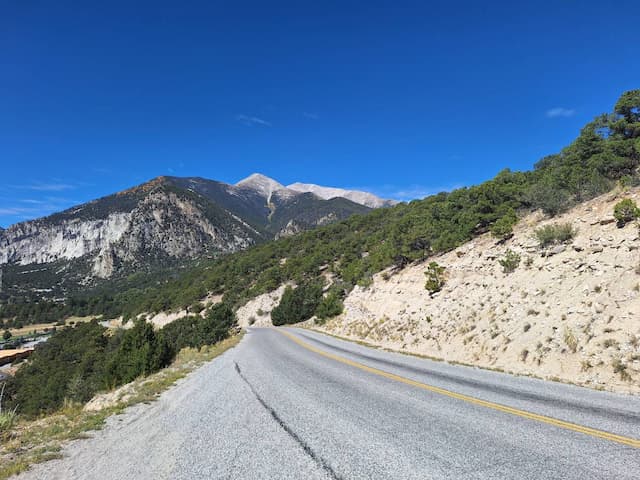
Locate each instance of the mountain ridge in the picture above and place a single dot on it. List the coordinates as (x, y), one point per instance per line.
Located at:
(364, 198)
(169, 219)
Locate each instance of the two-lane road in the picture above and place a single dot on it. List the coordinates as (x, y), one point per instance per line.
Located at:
(290, 403)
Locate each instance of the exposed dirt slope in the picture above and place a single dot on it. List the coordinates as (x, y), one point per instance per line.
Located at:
(571, 313)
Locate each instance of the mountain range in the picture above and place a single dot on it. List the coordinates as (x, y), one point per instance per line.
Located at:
(169, 219)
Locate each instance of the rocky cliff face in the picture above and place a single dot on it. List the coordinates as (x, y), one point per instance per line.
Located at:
(169, 218)
(166, 225)
(42, 242)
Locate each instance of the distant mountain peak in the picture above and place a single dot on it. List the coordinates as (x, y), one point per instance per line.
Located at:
(264, 185)
(363, 198)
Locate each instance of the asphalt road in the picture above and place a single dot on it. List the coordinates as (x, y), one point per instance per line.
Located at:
(300, 405)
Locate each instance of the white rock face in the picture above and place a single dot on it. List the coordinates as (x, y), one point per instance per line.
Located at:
(363, 198)
(161, 225)
(35, 242)
(262, 184)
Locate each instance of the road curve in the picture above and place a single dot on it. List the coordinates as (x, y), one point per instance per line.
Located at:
(291, 403)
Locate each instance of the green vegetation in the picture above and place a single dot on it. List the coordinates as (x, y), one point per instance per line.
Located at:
(555, 234)
(330, 306)
(297, 304)
(510, 261)
(39, 440)
(140, 352)
(7, 416)
(621, 368)
(435, 278)
(77, 362)
(195, 332)
(503, 227)
(625, 211)
(6, 335)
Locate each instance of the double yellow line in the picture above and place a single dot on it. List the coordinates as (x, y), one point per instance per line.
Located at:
(466, 398)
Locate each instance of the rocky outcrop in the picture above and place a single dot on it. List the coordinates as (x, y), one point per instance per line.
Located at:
(167, 225)
(42, 242)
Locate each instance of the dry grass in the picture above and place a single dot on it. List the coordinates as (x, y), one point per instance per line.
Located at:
(570, 340)
(36, 441)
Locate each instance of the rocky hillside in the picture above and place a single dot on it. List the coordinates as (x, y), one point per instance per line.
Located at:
(568, 312)
(167, 219)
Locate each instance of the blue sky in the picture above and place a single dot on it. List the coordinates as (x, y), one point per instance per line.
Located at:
(403, 99)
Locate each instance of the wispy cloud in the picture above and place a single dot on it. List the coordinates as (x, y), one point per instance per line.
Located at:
(560, 112)
(251, 121)
(46, 187)
(405, 193)
(310, 115)
(28, 208)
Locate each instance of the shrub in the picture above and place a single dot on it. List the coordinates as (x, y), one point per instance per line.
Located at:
(140, 352)
(297, 304)
(435, 278)
(196, 332)
(503, 227)
(510, 261)
(553, 234)
(570, 340)
(6, 335)
(196, 307)
(625, 211)
(621, 368)
(551, 199)
(365, 282)
(42, 384)
(77, 362)
(330, 306)
(7, 416)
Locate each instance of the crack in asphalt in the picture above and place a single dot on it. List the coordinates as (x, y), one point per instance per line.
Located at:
(321, 462)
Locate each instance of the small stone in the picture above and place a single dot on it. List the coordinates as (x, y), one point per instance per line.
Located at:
(556, 250)
(607, 221)
(596, 249)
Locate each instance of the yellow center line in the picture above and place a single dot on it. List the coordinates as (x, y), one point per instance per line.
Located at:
(632, 442)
